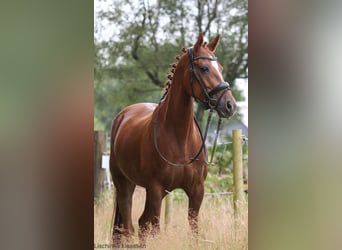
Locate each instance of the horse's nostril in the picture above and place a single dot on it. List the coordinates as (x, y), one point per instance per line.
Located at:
(229, 106)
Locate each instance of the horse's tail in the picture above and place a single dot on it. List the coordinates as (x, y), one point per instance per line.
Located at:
(117, 219)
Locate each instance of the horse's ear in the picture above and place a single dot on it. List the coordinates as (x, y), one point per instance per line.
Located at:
(199, 42)
(213, 44)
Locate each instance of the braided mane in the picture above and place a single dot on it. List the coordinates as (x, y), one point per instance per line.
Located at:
(167, 85)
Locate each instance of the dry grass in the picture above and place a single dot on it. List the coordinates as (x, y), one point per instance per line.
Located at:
(217, 229)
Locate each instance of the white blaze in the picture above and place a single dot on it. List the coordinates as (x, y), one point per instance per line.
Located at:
(216, 66)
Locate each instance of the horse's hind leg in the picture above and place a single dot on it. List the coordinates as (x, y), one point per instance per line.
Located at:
(117, 223)
(124, 193)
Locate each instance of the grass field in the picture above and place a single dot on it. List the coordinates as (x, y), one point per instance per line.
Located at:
(216, 221)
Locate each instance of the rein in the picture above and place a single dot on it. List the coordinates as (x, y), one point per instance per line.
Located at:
(210, 103)
(192, 159)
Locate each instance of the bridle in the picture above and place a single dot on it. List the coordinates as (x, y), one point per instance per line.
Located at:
(209, 103)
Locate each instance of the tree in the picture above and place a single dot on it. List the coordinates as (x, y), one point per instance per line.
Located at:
(147, 34)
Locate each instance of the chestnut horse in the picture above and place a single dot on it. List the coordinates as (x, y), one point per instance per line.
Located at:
(160, 146)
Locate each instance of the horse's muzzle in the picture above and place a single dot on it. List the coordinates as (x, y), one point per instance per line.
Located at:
(226, 107)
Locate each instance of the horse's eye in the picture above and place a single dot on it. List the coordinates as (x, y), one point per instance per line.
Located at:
(204, 69)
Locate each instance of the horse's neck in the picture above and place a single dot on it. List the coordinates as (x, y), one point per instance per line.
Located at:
(177, 110)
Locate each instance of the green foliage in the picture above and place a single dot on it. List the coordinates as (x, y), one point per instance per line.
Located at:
(131, 65)
(220, 176)
(179, 196)
(222, 159)
(105, 198)
(219, 183)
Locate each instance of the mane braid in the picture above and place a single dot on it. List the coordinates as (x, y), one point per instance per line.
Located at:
(167, 85)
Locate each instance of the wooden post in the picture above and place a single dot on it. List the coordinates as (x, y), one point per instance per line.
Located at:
(99, 172)
(168, 209)
(237, 170)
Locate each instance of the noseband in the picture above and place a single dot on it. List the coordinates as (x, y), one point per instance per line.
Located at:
(209, 102)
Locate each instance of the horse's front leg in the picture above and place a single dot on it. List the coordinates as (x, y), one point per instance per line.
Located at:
(144, 221)
(195, 201)
(156, 195)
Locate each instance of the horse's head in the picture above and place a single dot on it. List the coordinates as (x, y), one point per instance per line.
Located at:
(204, 76)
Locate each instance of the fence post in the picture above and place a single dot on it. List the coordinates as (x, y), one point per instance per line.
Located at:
(237, 170)
(168, 209)
(99, 172)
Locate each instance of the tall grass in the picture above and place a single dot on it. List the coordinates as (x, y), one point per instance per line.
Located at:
(218, 229)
